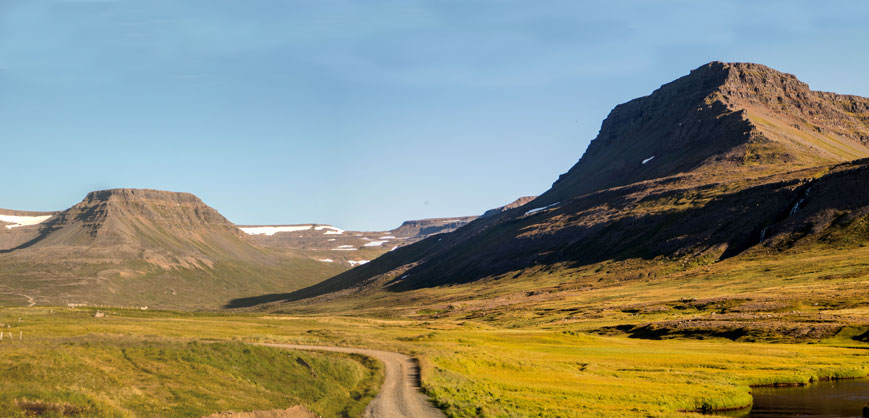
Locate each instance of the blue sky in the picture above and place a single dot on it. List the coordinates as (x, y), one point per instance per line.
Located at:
(361, 113)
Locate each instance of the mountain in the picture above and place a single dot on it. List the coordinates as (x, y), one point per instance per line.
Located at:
(733, 159)
(330, 244)
(18, 227)
(142, 247)
(732, 119)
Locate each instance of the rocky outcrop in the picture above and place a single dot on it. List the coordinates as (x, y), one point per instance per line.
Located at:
(512, 205)
(426, 227)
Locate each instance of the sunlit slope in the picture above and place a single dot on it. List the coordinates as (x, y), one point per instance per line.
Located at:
(147, 248)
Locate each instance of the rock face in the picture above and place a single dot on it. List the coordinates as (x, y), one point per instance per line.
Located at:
(426, 227)
(720, 117)
(707, 167)
(522, 201)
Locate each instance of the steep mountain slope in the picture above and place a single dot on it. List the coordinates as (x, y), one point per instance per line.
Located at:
(146, 247)
(722, 119)
(702, 170)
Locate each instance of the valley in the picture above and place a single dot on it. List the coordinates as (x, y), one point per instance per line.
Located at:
(712, 238)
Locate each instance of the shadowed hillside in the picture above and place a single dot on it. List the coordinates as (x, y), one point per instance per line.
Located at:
(719, 162)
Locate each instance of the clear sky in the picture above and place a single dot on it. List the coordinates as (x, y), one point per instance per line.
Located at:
(361, 113)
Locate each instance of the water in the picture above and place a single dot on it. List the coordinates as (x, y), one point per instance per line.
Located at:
(837, 398)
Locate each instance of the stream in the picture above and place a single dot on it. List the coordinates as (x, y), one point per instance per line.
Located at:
(833, 398)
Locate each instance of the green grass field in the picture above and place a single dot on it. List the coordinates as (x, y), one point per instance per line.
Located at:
(56, 365)
(146, 363)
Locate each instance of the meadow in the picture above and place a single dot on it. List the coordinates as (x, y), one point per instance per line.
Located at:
(145, 363)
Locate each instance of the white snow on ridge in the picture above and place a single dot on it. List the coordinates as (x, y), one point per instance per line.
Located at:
(374, 243)
(331, 230)
(17, 221)
(326, 260)
(344, 248)
(271, 230)
(355, 263)
(535, 210)
(648, 159)
(387, 237)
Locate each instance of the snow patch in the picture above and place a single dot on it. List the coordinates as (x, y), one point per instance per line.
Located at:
(355, 263)
(648, 159)
(535, 210)
(271, 230)
(387, 237)
(17, 221)
(394, 248)
(331, 230)
(326, 260)
(344, 248)
(374, 243)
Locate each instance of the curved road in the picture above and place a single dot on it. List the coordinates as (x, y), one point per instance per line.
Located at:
(400, 395)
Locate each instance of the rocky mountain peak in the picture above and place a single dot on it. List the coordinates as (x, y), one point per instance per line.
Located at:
(720, 117)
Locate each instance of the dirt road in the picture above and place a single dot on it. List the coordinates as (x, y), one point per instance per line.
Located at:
(400, 395)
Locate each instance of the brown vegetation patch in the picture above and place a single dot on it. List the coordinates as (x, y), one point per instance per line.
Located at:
(297, 411)
(36, 407)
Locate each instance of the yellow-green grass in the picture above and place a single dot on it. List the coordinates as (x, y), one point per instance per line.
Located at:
(530, 346)
(546, 374)
(123, 375)
(471, 368)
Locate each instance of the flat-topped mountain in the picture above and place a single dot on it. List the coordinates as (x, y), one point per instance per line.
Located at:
(144, 247)
(132, 220)
(722, 162)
